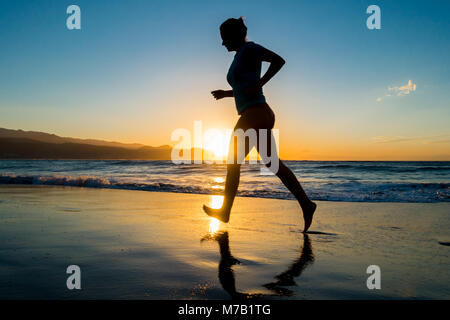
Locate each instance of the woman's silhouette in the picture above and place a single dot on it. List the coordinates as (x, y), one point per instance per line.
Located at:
(244, 76)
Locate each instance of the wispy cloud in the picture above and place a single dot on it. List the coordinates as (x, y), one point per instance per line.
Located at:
(399, 90)
(403, 90)
(442, 138)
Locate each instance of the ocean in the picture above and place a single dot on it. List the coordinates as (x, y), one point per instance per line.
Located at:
(366, 181)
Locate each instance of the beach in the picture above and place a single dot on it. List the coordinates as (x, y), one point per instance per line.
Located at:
(133, 244)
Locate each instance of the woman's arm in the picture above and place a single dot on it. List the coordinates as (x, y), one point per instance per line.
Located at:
(276, 62)
(219, 94)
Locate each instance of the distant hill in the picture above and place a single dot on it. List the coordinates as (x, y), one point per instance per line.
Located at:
(18, 144)
(53, 138)
(19, 148)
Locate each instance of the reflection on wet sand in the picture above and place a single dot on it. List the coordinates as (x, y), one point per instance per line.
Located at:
(284, 279)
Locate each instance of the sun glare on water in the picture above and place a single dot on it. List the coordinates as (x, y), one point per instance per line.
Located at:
(219, 180)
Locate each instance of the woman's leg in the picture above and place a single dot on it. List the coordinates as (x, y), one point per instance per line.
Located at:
(235, 159)
(231, 187)
(291, 182)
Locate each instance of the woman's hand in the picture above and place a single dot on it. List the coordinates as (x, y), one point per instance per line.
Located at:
(220, 94)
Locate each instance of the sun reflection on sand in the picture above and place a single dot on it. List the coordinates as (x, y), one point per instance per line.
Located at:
(214, 224)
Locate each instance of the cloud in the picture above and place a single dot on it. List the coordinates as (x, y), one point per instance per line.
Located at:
(399, 90)
(403, 90)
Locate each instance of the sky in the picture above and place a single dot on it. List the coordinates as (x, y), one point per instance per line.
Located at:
(138, 70)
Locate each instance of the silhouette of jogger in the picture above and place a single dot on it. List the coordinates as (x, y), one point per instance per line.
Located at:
(244, 76)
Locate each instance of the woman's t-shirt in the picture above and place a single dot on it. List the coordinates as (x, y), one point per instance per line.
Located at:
(245, 70)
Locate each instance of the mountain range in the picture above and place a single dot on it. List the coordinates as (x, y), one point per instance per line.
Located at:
(19, 144)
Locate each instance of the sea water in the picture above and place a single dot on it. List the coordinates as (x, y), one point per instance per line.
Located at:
(322, 180)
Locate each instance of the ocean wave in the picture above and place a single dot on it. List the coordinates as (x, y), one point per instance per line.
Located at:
(345, 191)
(368, 168)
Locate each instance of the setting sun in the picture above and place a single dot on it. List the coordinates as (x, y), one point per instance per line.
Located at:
(216, 141)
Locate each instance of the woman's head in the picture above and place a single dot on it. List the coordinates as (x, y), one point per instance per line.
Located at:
(233, 33)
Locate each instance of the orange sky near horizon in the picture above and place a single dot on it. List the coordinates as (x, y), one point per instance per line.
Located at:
(328, 147)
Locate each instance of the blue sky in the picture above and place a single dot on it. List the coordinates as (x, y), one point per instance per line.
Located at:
(137, 70)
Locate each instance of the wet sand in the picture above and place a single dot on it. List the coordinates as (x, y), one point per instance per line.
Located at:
(154, 245)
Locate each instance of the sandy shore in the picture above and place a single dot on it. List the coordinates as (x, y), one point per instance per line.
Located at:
(147, 245)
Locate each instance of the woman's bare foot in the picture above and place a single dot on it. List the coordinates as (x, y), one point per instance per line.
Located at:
(308, 212)
(219, 214)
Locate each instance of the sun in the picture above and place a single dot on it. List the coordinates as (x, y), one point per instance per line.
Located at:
(216, 141)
